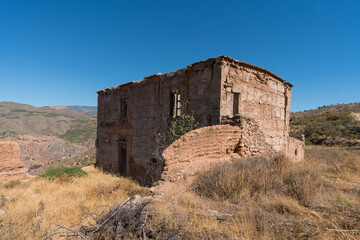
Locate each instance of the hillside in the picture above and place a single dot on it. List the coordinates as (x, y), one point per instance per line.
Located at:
(46, 134)
(338, 108)
(82, 108)
(73, 126)
(328, 125)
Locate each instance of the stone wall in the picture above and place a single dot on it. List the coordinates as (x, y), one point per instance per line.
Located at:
(148, 113)
(214, 144)
(237, 137)
(295, 149)
(259, 95)
(10, 165)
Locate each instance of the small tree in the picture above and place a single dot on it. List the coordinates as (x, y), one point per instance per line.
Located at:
(176, 127)
(179, 126)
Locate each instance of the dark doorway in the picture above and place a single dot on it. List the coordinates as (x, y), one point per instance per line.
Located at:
(122, 160)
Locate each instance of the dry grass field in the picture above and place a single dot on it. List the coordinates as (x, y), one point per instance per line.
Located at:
(257, 198)
(270, 198)
(40, 208)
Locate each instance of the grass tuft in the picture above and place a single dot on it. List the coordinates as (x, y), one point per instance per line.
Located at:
(63, 173)
(253, 178)
(12, 184)
(36, 166)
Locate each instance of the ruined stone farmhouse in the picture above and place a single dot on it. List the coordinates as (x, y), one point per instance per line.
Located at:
(242, 110)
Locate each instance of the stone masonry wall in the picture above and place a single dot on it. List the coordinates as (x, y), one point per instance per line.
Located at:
(214, 144)
(295, 149)
(261, 96)
(148, 113)
(237, 137)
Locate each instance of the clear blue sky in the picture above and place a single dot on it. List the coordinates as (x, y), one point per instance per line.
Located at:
(60, 52)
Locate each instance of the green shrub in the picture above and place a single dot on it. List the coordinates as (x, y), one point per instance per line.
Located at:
(180, 125)
(332, 118)
(331, 131)
(36, 166)
(61, 171)
(325, 127)
(310, 130)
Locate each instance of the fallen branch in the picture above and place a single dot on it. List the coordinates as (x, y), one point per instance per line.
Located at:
(341, 230)
(112, 215)
(75, 233)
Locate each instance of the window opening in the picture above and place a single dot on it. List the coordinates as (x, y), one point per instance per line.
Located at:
(229, 110)
(175, 104)
(123, 108)
(236, 103)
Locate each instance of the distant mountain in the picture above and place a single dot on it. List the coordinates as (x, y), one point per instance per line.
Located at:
(328, 125)
(46, 134)
(59, 121)
(85, 109)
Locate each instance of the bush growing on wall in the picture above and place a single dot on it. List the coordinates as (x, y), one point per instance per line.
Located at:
(176, 127)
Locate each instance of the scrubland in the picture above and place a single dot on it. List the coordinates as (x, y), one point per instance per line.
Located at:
(256, 198)
(270, 198)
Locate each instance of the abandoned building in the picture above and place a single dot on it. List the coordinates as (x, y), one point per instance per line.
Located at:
(241, 109)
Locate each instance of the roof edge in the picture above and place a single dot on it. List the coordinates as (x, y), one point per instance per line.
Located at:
(221, 57)
(246, 64)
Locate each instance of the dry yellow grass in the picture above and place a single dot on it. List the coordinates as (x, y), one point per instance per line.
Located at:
(37, 208)
(316, 199)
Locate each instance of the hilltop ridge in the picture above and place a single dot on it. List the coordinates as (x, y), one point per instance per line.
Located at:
(83, 108)
(328, 125)
(334, 108)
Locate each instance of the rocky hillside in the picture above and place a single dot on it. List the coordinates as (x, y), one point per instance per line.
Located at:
(73, 126)
(328, 125)
(85, 109)
(46, 134)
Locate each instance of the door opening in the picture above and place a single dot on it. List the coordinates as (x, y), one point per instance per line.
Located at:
(122, 159)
